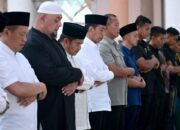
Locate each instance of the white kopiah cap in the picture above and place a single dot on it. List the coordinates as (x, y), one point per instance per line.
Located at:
(49, 7)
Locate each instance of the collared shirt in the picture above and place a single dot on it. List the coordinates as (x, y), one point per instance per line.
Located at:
(143, 50)
(89, 56)
(117, 87)
(88, 81)
(134, 94)
(15, 67)
(81, 105)
(160, 83)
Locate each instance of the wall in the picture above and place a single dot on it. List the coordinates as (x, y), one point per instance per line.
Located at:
(172, 10)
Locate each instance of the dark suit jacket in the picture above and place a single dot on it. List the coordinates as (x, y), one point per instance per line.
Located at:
(52, 67)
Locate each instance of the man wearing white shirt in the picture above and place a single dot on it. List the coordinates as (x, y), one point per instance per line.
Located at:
(98, 98)
(71, 39)
(17, 77)
(4, 105)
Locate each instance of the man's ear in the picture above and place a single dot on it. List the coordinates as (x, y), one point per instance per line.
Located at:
(66, 41)
(138, 27)
(153, 37)
(42, 17)
(91, 28)
(126, 37)
(6, 31)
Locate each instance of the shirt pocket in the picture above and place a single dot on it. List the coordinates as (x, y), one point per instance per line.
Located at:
(118, 57)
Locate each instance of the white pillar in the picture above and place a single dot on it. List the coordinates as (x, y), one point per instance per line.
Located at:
(172, 10)
(99, 7)
(22, 5)
(117, 7)
(157, 12)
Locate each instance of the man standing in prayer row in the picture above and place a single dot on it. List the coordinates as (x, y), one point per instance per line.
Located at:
(17, 77)
(49, 60)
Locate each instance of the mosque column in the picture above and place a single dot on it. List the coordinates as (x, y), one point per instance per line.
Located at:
(3, 5)
(117, 7)
(171, 13)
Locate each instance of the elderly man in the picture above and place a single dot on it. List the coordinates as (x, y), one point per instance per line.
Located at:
(17, 77)
(130, 39)
(118, 86)
(49, 60)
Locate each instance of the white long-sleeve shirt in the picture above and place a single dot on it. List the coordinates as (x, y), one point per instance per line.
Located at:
(89, 57)
(13, 68)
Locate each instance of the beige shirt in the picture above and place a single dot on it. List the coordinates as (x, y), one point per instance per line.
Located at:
(117, 87)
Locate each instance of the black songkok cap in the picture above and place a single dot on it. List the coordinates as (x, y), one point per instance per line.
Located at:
(17, 18)
(74, 30)
(3, 22)
(127, 29)
(95, 19)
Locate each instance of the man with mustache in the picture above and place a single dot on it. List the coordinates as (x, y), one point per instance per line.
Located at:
(49, 60)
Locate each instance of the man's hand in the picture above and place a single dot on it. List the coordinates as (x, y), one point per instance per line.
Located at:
(97, 83)
(130, 71)
(163, 67)
(81, 81)
(170, 68)
(156, 61)
(26, 101)
(140, 81)
(70, 88)
(43, 94)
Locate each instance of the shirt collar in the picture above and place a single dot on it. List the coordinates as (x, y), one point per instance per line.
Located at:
(153, 49)
(109, 40)
(6, 48)
(90, 43)
(129, 51)
(68, 55)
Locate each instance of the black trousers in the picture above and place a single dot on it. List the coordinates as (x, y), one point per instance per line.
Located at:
(146, 112)
(59, 114)
(98, 120)
(158, 120)
(170, 109)
(131, 117)
(116, 118)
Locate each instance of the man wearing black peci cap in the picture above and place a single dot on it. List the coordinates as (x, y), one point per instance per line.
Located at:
(71, 39)
(136, 83)
(17, 77)
(117, 89)
(49, 60)
(98, 98)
